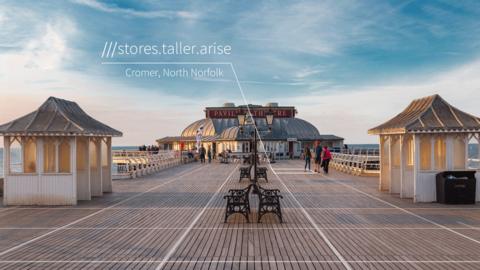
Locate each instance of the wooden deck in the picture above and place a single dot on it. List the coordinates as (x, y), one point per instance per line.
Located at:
(174, 220)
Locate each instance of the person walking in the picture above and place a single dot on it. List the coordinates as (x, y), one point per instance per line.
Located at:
(202, 154)
(307, 155)
(318, 156)
(209, 155)
(326, 156)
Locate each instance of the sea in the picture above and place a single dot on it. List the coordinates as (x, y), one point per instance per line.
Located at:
(473, 150)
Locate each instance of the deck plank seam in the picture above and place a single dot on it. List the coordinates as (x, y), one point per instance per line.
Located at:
(402, 209)
(182, 237)
(175, 178)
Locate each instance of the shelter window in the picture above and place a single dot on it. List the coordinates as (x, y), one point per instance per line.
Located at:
(16, 160)
(49, 155)
(64, 156)
(30, 155)
(385, 151)
(459, 152)
(474, 152)
(104, 153)
(82, 151)
(409, 151)
(395, 153)
(93, 155)
(440, 153)
(425, 154)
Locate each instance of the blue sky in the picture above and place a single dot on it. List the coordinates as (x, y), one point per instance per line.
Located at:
(346, 65)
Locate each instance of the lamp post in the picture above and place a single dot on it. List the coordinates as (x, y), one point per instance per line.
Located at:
(268, 199)
(269, 117)
(248, 120)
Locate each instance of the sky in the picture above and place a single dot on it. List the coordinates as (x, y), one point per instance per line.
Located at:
(346, 66)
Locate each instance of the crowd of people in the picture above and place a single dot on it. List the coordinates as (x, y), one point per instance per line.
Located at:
(150, 148)
(321, 155)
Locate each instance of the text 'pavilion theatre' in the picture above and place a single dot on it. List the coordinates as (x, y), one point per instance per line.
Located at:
(221, 131)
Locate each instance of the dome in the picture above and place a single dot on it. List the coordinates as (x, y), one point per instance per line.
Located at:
(191, 130)
(234, 133)
(211, 127)
(301, 129)
(282, 129)
(227, 129)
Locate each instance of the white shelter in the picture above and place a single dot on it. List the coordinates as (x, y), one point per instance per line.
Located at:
(428, 137)
(56, 155)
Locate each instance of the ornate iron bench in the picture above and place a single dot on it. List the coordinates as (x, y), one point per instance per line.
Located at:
(238, 202)
(262, 173)
(269, 202)
(245, 172)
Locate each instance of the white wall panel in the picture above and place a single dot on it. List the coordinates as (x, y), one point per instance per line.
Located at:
(408, 183)
(24, 189)
(395, 181)
(426, 187)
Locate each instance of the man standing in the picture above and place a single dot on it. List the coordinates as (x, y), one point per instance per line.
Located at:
(318, 156)
(209, 155)
(202, 154)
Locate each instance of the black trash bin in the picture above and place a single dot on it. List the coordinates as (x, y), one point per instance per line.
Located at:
(456, 187)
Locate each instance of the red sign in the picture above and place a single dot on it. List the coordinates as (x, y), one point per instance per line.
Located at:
(286, 112)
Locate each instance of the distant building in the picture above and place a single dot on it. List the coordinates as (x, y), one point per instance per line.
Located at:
(220, 131)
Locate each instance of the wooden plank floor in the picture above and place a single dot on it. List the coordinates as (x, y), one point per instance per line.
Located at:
(174, 220)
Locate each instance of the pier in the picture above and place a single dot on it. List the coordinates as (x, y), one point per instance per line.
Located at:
(173, 219)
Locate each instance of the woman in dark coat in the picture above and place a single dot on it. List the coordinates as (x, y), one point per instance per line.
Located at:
(308, 156)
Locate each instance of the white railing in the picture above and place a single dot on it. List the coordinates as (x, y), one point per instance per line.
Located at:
(356, 161)
(133, 164)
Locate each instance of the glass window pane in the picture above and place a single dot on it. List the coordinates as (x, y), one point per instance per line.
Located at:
(440, 153)
(425, 154)
(409, 151)
(395, 153)
(93, 156)
(459, 153)
(385, 152)
(49, 156)
(16, 164)
(64, 157)
(473, 153)
(104, 154)
(82, 154)
(30, 156)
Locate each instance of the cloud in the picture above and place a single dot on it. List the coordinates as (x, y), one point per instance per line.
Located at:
(136, 13)
(45, 50)
(318, 28)
(351, 112)
(206, 79)
(3, 18)
(306, 72)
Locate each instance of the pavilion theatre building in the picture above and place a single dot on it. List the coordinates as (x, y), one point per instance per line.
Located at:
(220, 131)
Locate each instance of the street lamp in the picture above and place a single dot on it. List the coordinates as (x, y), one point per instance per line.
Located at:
(241, 119)
(269, 117)
(268, 199)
